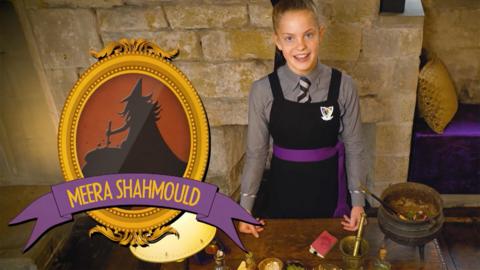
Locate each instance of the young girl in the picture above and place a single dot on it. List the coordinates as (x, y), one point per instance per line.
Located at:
(308, 109)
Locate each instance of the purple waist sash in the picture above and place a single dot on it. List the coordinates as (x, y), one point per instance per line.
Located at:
(319, 154)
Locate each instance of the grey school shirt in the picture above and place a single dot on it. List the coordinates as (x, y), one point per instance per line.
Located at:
(258, 136)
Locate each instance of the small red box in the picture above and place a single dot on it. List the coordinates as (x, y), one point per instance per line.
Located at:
(323, 244)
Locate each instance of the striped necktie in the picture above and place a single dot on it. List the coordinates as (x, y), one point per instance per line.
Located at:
(304, 97)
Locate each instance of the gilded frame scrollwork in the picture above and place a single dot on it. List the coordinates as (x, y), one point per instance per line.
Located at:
(133, 227)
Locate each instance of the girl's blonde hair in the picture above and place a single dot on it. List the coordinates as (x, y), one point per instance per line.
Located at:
(291, 5)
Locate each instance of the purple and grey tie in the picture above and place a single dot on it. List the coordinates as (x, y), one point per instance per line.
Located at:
(304, 96)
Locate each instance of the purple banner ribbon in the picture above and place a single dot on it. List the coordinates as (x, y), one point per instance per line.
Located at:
(112, 190)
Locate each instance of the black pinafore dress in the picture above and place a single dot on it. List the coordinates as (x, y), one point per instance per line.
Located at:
(307, 178)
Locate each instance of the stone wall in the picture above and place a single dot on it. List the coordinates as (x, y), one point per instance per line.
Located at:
(27, 126)
(452, 32)
(225, 45)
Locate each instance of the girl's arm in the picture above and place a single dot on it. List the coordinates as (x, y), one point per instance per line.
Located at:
(256, 146)
(256, 153)
(351, 135)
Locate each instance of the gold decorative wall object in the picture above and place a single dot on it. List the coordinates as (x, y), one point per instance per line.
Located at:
(129, 60)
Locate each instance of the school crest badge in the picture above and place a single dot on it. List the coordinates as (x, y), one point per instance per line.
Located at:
(327, 113)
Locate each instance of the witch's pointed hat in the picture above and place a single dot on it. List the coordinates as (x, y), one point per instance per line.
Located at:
(136, 91)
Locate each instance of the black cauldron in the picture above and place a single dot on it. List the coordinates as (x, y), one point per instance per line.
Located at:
(411, 232)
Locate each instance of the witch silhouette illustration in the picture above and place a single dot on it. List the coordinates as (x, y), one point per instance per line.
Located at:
(143, 151)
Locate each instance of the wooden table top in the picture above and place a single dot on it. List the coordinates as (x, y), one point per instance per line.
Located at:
(289, 239)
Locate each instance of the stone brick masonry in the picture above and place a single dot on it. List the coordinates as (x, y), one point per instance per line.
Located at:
(452, 32)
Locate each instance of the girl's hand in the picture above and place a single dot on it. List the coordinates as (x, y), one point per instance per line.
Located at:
(251, 229)
(351, 224)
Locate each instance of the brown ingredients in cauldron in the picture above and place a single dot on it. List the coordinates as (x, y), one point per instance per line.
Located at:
(413, 208)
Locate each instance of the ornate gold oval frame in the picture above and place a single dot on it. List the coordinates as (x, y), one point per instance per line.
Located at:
(142, 57)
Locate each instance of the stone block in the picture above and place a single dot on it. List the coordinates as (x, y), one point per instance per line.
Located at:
(17, 198)
(226, 111)
(393, 138)
(32, 4)
(405, 75)
(259, 1)
(391, 168)
(30, 132)
(325, 11)
(19, 77)
(372, 76)
(342, 42)
(348, 10)
(5, 167)
(225, 1)
(345, 66)
(65, 36)
(469, 91)
(399, 107)
(230, 79)
(368, 133)
(220, 181)
(451, 28)
(82, 3)
(33, 144)
(235, 178)
(187, 42)
(398, 20)
(15, 237)
(461, 63)
(229, 184)
(451, 38)
(260, 15)
(371, 109)
(447, 4)
(61, 81)
(391, 42)
(377, 187)
(226, 184)
(148, 3)
(468, 19)
(227, 148)
(440, 20)
(206, 16)
(131, 19)
(8, 127)
(11, 260)
(238, 45)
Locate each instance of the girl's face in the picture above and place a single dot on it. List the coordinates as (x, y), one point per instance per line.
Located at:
(298, 36)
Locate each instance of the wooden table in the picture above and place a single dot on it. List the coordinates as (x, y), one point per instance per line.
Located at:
(289, 239)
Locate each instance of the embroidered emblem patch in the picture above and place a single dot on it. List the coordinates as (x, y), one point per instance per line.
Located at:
(327, 113)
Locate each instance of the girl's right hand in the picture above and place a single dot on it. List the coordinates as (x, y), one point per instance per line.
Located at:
(251, 229)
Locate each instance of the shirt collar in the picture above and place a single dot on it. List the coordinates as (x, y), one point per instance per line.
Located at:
(292, 79)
